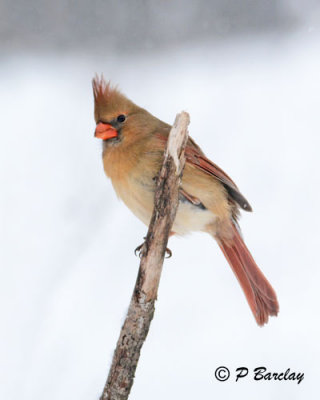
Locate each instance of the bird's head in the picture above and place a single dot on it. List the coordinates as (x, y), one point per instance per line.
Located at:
(118, 119)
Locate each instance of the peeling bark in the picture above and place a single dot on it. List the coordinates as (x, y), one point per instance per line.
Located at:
(141, 309)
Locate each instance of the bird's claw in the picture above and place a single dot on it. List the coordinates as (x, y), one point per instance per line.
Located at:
(168, 253)
(139, 251)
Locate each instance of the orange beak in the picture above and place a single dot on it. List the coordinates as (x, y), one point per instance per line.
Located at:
(105, 131)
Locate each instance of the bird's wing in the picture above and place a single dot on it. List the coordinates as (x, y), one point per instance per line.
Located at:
(195, 157)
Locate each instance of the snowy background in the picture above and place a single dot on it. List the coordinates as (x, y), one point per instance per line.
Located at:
(66, 246)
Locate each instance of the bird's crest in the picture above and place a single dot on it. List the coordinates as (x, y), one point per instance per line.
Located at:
(109, 99)
(103, 91)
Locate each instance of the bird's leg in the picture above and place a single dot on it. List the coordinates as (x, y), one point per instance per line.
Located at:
(140, 247)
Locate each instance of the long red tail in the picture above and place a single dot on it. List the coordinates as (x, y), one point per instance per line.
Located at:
(260, 295)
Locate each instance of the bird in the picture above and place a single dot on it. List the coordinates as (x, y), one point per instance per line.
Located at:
(209, 201)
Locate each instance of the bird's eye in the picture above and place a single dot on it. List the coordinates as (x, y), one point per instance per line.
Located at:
(121, 118)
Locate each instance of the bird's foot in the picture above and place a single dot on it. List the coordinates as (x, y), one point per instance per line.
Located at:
(139, 251)
(168, 253)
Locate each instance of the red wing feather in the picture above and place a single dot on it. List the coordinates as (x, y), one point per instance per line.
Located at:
(195, 156)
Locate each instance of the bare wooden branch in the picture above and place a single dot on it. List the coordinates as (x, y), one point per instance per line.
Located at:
(140, 313)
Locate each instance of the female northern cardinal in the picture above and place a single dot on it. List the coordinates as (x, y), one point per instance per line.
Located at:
(209, 201)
